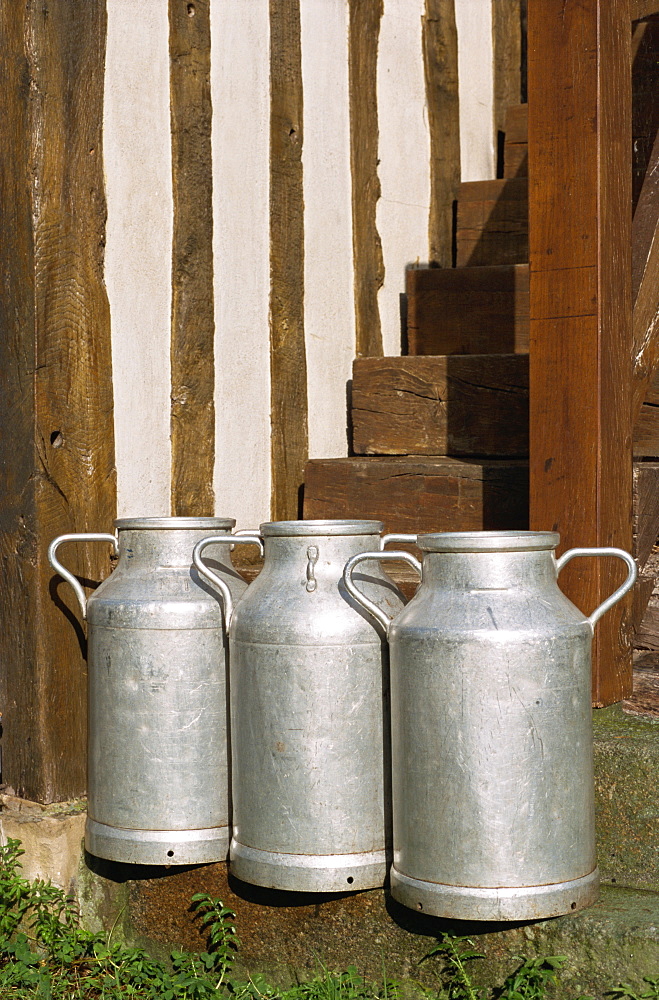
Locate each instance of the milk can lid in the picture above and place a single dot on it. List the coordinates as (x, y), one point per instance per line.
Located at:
(488, 541)
(329, 527)
(172, 523)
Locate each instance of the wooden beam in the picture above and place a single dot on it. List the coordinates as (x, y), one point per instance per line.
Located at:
(645, 283)
(368, 262)
(193, 324)
(643, 8)
(507, 56)
(288, 367)
(580, 304)
(440, 60)
(56, 431)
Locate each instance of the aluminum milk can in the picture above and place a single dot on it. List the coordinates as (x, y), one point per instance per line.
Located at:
(157, 775)
(493, 799)
(309, 713)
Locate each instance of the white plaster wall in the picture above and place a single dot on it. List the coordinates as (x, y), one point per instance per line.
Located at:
(240, 88)
(329, 317)
(476, 89)
(137, 159)
(404, 151)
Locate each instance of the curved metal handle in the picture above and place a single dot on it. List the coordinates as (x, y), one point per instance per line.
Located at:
(365, 602)
(204, 570)
(617, 594)
(65, 574)
(398, 538)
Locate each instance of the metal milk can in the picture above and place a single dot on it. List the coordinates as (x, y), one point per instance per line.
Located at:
(309, 713)
(491, 720)
(157, 773)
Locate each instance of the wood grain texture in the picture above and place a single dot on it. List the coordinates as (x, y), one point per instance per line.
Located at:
(420, 494)
(56, 435)
(645, 278)
(643, 8)
(507, 57)
(288, 368)
(468, 310)
(645, 110)
(193, 324)
(492, 224)
(516, 146)
(580, 302)
(645, 528)
(440, 61)
(368, 260)
(455, 405)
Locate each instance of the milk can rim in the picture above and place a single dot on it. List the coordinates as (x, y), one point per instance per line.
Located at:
(488, 541)
(321, 527)
(175, 523)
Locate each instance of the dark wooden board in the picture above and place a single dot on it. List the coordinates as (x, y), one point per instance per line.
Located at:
(643, 8)
(368, 262)
(468, 310)
(507, 58)
(492, 223)
(420, 494)
(645, 510)
(193, 323)
(440, 61)
(56, 431)
(580, 302)
(289, 441)
(456, 405)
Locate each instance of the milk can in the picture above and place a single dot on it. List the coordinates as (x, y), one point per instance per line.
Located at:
(309, 713)
(492, 766)
(157, 776)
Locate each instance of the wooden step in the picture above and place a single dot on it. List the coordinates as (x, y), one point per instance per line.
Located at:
(420, 494)
(455, 405)
(492, 223)
(515, 149)
(468, 310)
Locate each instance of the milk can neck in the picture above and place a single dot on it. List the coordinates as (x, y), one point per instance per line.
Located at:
(147, 549)
(489, 570)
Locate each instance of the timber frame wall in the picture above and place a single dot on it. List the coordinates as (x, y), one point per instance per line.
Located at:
(593, 347)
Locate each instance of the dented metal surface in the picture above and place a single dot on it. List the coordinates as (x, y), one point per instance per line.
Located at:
(309, 714)
(492, 765)
(158, 784)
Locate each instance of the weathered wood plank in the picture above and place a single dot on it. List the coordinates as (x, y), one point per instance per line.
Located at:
(469, 310)
(645, 278)
(288, 369)
(579, 197)
(440, 59)
(492, 223)
(193, 324)
(643, 8)
(507, 58)
(56, 435)
(645, 505)
(420, 494)
(455, 405)
(645, 110)
(516, 146)
(368, 261)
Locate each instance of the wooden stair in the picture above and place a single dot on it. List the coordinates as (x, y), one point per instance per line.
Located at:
(440, 436)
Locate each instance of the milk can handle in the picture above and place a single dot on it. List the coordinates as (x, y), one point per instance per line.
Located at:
(365, 602)
(397, 538)
(204, 570)
(65, 574)
(617, 594)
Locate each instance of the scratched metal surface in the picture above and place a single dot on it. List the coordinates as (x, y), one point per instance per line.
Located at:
(309, 714)
(158, 785)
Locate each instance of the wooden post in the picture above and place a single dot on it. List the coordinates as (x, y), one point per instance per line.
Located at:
(579, 66)
(56, 428)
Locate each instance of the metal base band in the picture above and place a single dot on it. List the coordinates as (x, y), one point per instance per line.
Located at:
(157, 847)
(308, 872)
(531, 902)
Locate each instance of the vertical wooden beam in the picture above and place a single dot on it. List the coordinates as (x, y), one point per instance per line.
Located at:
(440, 60)
(193, 326)
(288, 369)
(368, 261)
(507, 55)
(581, 337)
(56, 426)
